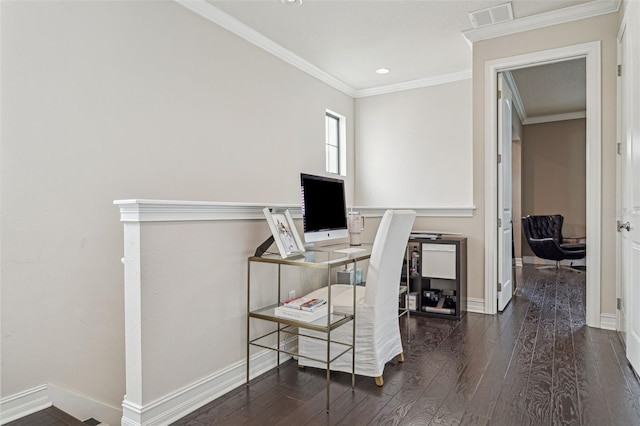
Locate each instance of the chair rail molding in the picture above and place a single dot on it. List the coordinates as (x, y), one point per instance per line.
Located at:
(140, 210)
(137, 210)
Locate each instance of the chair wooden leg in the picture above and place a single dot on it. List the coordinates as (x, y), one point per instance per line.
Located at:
(401, 357)
(379, 381)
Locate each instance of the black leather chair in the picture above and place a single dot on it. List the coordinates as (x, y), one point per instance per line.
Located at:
(544, 235)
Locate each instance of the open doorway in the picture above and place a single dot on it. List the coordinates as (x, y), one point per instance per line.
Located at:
(591, 54)
(544, 106)
(549, 151)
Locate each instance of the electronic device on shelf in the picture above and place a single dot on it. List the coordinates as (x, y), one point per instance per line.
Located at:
(324, 212)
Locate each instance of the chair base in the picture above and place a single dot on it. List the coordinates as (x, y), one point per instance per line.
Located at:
(558, 267)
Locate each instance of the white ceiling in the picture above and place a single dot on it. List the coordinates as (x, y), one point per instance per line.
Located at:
(553, 89)
(418, 40)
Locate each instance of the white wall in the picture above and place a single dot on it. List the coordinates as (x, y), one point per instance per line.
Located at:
(115, 100)
(414, 148)
(554, 174)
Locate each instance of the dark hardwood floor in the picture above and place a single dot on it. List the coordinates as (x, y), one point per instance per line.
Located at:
(51, 416)
(537, 363)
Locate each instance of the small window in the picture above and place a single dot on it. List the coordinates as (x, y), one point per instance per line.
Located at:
(334, 144)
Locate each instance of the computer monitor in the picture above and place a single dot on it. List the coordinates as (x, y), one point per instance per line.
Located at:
(324, 211)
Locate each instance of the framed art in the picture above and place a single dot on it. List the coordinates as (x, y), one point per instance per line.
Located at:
(284, 232)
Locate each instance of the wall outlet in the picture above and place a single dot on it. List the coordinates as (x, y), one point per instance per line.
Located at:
(292, 295)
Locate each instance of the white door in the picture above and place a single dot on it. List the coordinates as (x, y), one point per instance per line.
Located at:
(630, 220)
(624, 196)
(505, 227)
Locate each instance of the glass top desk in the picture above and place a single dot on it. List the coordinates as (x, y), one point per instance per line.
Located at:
(322, 258)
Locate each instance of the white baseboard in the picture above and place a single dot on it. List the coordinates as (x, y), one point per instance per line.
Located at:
(33, 400)
(475, 305)
(82, 407)
(186, 400)
(608, 322)
(24, 403)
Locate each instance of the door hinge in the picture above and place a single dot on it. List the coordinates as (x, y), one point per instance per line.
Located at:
(499, 158)
(499, 223)
(619, 303)
(620, 70)
(499, 286)
(619, 148)
(499, 94)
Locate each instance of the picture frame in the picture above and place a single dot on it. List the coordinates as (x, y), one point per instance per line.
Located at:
(284, 232)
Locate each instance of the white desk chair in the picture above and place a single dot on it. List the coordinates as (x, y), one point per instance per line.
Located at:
(377, 327)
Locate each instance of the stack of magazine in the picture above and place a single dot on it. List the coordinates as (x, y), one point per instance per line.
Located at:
(303, 309)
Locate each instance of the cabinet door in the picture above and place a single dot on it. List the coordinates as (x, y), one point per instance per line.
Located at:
(439, 261)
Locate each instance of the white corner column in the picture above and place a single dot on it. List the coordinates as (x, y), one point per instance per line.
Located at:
(133, 403)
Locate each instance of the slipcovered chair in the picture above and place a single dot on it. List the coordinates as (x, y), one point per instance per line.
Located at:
(377, 327)
(544, 235)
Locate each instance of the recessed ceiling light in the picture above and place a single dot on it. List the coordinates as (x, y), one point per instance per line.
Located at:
(291, 2)
(382, 70)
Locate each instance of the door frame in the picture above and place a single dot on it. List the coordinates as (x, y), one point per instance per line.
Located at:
(592, 54)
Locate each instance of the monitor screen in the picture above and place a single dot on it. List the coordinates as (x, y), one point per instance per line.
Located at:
(324, 210)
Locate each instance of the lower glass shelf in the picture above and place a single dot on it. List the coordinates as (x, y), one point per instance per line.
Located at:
(325, 323)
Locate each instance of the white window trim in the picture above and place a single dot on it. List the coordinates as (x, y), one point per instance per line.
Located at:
(342, 129)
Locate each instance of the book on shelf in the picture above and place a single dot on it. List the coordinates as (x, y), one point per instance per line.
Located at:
(296, 302)
(312, 304)
(304, 303)
(301, 314)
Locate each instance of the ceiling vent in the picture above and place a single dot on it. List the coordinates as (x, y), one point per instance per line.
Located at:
(491, 15)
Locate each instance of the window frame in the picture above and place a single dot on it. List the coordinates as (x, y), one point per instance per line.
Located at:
(339, 146)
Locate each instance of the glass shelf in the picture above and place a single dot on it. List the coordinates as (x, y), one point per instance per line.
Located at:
(336, 319)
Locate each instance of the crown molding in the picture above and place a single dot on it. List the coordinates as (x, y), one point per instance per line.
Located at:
(228, 22)
(555, 117)
(560, 16)
(415, 84)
